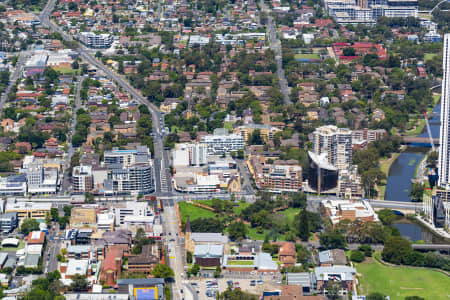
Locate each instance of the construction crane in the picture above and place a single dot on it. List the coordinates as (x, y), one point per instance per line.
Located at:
(429, 131)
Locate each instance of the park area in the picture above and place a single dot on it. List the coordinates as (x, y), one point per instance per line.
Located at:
(400, 282)
(195, 212)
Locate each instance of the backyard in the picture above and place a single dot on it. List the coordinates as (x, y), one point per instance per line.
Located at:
(399, 282)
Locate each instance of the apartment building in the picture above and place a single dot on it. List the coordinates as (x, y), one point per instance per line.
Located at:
(127, 157)
(368, 11)
(82, 179)
(279, 176)
(96, 41)
(134, 180)
(186, 154)
(336, 143)
(8, 221)
(222, 142)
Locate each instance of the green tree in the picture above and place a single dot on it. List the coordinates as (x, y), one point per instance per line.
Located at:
(386, 216)
(332, 239)
(375, 296)
(217, 205)
(349, 51)
(303, 229)
(357, 256)
(237, 230)
(79, 283)
(29, 225)
(162, 271)
(189, 257)
(217, 272)
(396, 249)
(416, 193)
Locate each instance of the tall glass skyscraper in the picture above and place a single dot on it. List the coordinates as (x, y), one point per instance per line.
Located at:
(444, 150)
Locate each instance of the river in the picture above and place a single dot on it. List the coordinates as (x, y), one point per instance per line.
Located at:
(399, 182)
(402, 170)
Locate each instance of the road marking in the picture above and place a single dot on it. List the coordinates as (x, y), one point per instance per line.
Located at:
(171, 257)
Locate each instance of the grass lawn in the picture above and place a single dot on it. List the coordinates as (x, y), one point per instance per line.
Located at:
(10, 249)
(307, 56)
(290, 213)
(429, 56)
(386, 164)
(228, 126)
(66, 70)
(194, 212)
(401, 282)
(240, 263)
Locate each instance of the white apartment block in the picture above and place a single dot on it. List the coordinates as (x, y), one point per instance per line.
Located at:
(185, 154)
(336, 143)
(97, 41)
(131, 208)
(222, 142)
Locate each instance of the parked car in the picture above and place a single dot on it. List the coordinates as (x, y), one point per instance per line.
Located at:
(260, 282)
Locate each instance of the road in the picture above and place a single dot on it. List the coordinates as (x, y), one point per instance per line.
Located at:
(275, 45)
(175, 248)
(161, 161)
(66, 183)
(23, 56)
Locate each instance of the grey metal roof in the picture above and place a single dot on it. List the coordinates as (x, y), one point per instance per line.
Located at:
(208, 237)
(78, 248)
(31, 260)
(263, 261)
(325, 256)
(304, 279)
(209, 250)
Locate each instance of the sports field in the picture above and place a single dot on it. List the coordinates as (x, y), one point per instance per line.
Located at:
(401, 282)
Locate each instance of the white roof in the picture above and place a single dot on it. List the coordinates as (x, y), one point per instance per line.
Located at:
(77, 266)
(10, 241)
(209, 250)
(263, 261)
(207, 180)
(11, 206)
(141, 219)
(35, 235)
(34, 249)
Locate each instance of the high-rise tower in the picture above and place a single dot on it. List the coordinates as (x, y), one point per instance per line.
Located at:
(444, 150)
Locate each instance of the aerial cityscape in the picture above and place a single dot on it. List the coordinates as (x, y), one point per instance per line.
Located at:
(229, 150)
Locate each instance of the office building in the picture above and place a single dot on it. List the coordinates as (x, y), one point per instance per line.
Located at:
(131, 208)
(444, 149)
(96, 41)
(335, 143)
(8, 222)
(338, 210)
(436, 209)
(13, 185)
(222, 142)
(82, 179)
(42, 180)
(322, 176)
(185, 154)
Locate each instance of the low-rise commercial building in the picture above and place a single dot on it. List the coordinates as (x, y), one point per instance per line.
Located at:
(8, 222)
(33, 210)
(222, 142)
(338, 210)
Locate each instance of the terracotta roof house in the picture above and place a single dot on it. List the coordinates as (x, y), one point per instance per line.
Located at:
(287, 253)
(36, 238)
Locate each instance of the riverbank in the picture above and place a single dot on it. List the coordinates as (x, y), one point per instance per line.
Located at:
(438, 231)
(385, 166)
